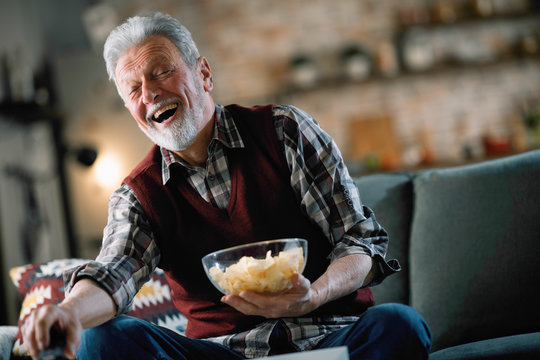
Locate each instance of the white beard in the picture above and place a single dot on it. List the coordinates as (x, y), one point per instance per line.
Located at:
(181, 132)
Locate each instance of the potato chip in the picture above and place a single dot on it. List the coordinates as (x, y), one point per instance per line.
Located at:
(269, 275)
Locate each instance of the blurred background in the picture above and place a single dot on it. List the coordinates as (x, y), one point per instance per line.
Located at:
(399, 85)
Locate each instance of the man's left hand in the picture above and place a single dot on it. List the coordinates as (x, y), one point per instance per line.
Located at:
(296, 301)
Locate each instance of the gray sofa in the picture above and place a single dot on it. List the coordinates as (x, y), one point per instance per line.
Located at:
(467, 238)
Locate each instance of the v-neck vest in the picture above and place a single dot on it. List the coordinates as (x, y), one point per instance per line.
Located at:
(262, 206)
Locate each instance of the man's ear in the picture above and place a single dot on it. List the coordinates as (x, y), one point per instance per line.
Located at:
(206, 74)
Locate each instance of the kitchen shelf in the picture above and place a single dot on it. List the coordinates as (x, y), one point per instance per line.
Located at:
(449, 64)
(470, 20)
(329, 84)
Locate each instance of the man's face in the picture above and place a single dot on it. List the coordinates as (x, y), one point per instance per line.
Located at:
(165, 96)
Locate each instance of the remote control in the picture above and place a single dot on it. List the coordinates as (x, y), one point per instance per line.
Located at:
(55, 351)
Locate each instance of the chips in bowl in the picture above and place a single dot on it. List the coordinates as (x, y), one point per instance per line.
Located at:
(263, 267)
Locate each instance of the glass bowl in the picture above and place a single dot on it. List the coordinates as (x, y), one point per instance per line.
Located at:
(264, 266)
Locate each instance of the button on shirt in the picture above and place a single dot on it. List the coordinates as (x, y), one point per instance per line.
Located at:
(129, 254)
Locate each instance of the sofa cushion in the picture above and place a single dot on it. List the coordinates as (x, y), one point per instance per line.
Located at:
(390, 197)
(475, 241)
(39, 284)
(525, 346)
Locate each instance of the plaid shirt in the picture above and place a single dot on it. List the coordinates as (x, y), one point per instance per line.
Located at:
(129, 253)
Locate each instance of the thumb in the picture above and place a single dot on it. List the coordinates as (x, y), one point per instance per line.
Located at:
(300, 282)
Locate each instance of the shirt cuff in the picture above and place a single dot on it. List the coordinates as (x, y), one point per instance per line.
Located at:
(384, 269)
(93, 270)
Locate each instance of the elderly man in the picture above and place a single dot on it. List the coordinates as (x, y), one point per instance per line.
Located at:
(220, 176)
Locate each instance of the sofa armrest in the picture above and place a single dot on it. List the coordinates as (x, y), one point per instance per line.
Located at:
(7, 338)
(523, 346)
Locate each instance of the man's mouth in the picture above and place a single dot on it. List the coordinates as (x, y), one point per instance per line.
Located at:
(164, 113)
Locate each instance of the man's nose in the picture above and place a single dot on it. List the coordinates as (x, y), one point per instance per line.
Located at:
(150, 91)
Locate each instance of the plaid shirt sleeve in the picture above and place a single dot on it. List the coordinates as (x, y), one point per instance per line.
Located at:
(128, 254)
(326, 190)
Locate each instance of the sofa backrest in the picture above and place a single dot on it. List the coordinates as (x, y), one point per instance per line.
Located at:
(390, 197)
(474, 247)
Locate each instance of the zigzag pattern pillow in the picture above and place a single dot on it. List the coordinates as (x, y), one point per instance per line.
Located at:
(39, 284)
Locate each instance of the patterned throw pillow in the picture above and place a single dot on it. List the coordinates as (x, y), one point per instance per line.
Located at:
(39, 284)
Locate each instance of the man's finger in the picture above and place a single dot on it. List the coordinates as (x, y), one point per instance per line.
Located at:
(241, 304)
(43, 322)
(29, 338)
(300, 281)
(256, 299)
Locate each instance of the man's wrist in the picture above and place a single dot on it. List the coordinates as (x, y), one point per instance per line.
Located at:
(319, 296)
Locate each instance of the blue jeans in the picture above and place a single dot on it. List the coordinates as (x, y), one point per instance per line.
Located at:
(388, 331)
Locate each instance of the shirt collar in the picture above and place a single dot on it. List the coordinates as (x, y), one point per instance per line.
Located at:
(225, 132)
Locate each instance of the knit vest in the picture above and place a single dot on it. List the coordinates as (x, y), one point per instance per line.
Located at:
(262, 206)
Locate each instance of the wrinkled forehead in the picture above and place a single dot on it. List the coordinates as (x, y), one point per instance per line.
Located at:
(153, 51)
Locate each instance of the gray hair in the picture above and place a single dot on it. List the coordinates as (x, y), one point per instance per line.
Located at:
(137, 29)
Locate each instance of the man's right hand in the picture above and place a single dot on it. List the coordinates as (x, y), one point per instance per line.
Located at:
(36, 329)
(86, 305)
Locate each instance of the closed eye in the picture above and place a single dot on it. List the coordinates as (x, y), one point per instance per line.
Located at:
(164, 73)
(133, 90)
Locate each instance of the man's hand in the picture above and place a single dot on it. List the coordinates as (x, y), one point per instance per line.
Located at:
(342, 277)
(87, 305)
(36, 330)
(296, 301)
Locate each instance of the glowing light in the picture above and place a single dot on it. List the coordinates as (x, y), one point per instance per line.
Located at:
(107, 171)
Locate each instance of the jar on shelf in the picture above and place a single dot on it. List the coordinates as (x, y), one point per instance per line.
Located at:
(356, 63)
(417, 51)
(304, 72)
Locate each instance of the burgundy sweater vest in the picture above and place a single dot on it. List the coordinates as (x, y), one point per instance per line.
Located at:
(262, 206)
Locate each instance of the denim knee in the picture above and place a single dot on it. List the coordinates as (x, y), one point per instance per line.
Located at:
(403, 319)
(118, 326)
(125, 337)
(106, 340)
(388, 331)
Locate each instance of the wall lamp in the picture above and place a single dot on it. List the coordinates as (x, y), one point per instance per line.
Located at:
(85, 155)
